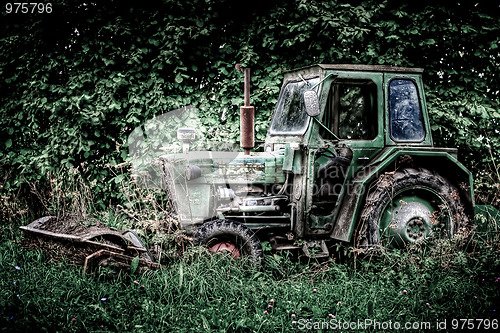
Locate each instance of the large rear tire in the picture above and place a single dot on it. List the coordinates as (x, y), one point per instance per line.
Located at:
(230, 237)
(408, 206)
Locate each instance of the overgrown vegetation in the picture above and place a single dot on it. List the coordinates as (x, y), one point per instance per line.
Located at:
(427, 283)
(76, 83)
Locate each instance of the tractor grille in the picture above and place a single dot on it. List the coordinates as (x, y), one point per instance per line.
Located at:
(168, 183)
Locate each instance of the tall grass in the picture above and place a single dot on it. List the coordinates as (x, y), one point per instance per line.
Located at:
(214, 293)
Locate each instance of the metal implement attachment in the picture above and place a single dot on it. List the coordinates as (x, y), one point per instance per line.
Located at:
(100, 246)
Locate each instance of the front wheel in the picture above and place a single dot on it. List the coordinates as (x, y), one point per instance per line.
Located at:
(408, 206)
(231, 237)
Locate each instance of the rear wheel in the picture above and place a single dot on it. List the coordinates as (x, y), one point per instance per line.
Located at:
(231, 237)
(408, 206)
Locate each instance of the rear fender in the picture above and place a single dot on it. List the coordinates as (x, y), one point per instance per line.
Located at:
(441, 160)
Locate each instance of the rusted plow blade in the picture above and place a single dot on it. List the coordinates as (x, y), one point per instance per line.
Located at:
(114, 259)
(95, 246)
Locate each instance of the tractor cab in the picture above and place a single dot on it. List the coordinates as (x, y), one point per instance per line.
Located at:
(332, 122)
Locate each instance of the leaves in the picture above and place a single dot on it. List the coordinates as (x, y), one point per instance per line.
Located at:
(134, 265)
(77, 83)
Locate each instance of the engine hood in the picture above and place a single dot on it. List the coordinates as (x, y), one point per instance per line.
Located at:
(225, 167)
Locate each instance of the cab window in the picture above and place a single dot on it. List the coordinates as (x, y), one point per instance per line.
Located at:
(351, 110)
(290, 117)
(405, 115)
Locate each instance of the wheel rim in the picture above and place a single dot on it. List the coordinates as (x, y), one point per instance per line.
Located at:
(412, 215)
(224, 247)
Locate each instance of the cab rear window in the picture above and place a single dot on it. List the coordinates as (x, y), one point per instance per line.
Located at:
(405, 114)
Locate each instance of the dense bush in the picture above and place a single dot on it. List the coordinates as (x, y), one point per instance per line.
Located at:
(76, 82)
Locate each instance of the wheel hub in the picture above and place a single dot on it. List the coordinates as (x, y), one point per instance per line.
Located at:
(411, 221)
(416, 228)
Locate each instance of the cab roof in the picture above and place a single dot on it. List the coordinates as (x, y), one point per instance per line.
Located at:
(362, 68)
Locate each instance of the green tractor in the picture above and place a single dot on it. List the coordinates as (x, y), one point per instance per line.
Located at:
(348, 157)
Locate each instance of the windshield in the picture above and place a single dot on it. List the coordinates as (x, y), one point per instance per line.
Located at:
(290, 117)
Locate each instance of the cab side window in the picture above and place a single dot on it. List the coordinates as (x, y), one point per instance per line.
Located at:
(351, 110)
(405, 115)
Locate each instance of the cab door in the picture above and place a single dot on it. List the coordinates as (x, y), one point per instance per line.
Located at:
(351, 134)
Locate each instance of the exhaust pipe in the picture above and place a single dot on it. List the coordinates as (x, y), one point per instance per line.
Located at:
(247, 114)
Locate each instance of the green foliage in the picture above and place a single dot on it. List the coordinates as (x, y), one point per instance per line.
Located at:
(78, 81)
(134, 265)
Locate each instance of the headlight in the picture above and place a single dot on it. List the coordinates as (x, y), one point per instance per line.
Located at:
(192, 172)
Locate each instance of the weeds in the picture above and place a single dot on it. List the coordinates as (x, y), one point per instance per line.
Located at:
(216, 293)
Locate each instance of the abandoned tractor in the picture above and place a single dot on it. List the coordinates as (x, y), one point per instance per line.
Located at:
(348, 157)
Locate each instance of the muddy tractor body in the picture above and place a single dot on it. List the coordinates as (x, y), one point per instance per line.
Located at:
(348, 157)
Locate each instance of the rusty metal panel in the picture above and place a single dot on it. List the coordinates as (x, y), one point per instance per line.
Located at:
(247, 127)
